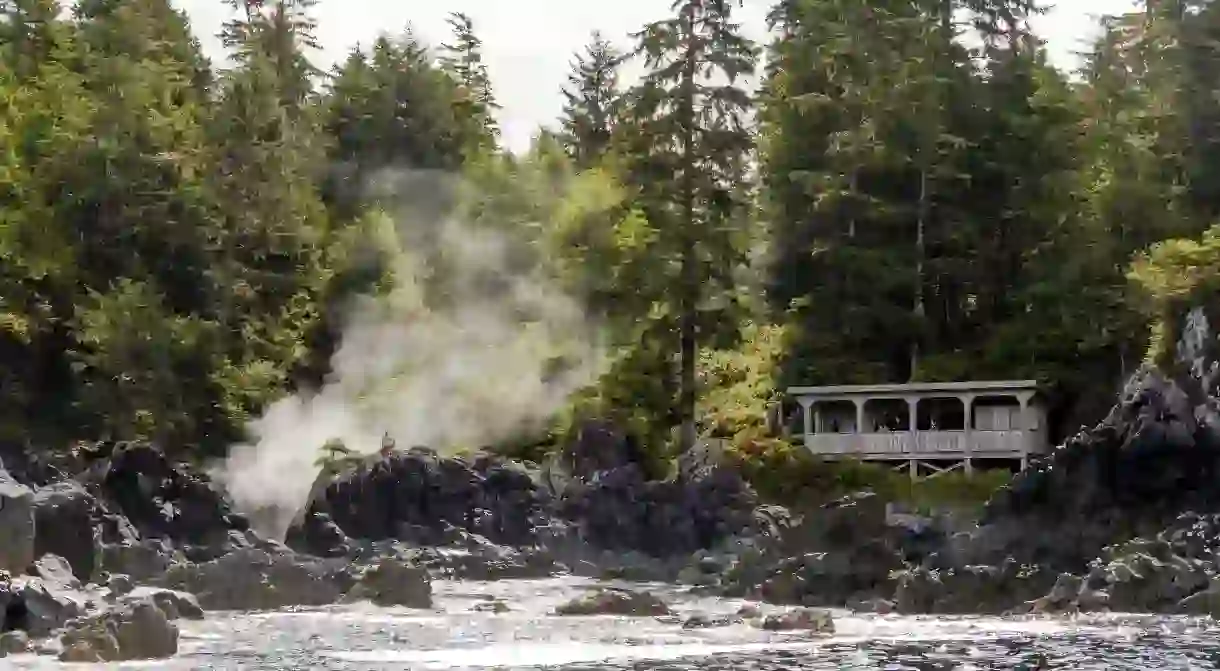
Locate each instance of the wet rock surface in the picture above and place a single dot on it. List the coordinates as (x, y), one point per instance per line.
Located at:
(456, 635)
(137, 630)
(68, 521)
(394, 582)
(260, 579)
(615, 602)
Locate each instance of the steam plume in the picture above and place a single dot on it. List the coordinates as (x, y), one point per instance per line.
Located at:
(461, 353)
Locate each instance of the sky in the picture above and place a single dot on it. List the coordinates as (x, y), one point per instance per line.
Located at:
(528, 44)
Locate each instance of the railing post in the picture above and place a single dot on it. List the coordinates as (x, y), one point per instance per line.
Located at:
(913, 426)
(807, 417)
(1026, 434)
(968, 430)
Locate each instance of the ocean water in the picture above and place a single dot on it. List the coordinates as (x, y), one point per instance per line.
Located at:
(453, 636)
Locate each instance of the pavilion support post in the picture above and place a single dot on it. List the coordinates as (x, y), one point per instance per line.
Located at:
(807, 417)
(967, 429)
(1024, 428)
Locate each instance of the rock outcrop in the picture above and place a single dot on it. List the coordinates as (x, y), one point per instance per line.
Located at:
(162, 500)
(137, 630)
(260, 579)
(1121, 517)
(69, 523)
(394, 582)
(845, 551)
(604, 504)
(423, 498)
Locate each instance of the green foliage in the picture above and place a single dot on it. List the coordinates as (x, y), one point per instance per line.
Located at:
(1172, 277)
(740, 384)
(591, 102)
(334, 457)
(924, 197)
(789, 475)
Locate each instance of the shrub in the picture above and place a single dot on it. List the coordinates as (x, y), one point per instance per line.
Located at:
(789, 475)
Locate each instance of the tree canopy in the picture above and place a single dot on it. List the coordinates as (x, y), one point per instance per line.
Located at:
(913, 192)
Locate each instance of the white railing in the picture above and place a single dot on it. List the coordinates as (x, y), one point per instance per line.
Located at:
(896, 444)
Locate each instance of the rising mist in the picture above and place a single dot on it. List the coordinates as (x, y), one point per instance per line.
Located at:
(461, 353)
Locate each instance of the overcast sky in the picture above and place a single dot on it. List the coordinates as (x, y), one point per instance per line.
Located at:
(528, 43)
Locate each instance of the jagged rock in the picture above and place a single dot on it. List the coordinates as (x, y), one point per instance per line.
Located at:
(68, 519)
(163, 500)
(119, 584)
(1203, 602)
(317, 534)
(16, 524)
(1132, 475)
(842, 551)
(806, 619)
(420, 497)
(39, 609)
(144, 561)
(615, 602)
(256, 579)
(971, 589)
(136, 631)
(55, 572)
(1064, 596)
(623, 510)
(393, 582)
(176, 605)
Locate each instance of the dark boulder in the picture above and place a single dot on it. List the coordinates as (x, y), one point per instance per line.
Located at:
(164, 500)
(69, 524)
(136, 630)
(421, 497)
(623, 510)
(843, 551)
(260, 579)
(976, 589)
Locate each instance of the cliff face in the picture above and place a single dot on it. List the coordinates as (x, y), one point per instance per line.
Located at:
(1155, 456)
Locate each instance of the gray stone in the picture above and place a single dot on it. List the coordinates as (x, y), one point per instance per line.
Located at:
(119, 584)
(55, 572)
(16, 524)
(136, 631)
(67, 517)
(255, 579)
(806, 619)
(46, 608)
(393, 582)
(143, 561)
(176, 605)
(615, 602)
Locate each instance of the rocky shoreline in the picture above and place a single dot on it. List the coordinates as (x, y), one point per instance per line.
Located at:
(1124, 517)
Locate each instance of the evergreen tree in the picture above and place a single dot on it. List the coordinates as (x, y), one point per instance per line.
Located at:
(463, 60)
(591, 104)
(687, 118)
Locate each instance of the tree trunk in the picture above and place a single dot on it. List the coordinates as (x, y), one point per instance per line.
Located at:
(689, 281)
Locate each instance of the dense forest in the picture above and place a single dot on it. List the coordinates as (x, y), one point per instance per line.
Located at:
(911, 193)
